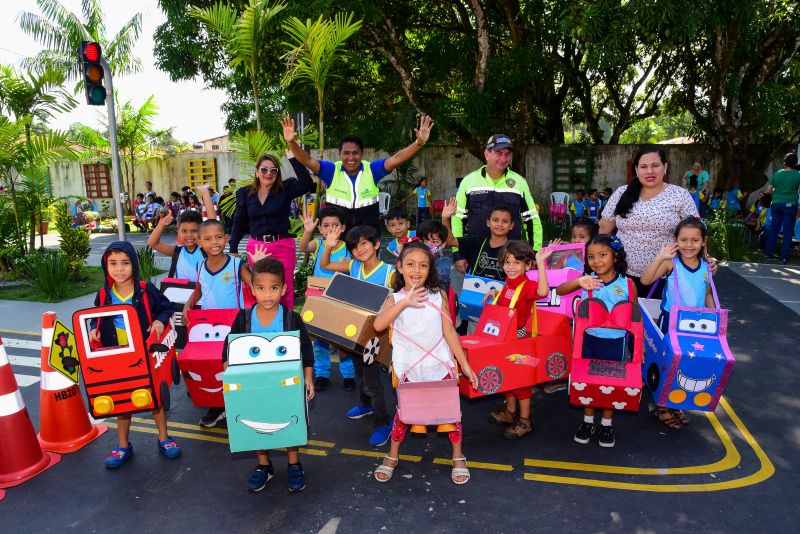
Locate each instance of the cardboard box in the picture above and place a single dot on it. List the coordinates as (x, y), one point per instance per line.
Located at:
(473, 293)
(201, 360)
(688, 368)
(316, 286)
(344, 316)
(264, 389)
(178, 291)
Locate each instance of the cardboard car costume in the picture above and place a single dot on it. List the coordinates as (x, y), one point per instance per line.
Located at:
(565, 264)
(473, 295)
(201, 360)
(264, 389)
(178, 291)
(129, 378)
(344, 316)
(503, 363)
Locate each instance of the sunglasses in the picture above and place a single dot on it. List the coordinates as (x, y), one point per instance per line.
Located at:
(268, 170)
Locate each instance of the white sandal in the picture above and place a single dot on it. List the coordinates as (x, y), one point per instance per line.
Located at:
(386, 470)
(459, 472)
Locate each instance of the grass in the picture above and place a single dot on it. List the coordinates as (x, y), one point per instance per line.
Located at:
(91, 280)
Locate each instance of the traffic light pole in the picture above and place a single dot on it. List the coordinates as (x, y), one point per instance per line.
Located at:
(116, 183)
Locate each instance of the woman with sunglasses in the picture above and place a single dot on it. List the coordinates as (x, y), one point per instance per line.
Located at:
(262, 211)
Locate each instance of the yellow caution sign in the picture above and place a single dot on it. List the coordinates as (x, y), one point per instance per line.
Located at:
(63, 354)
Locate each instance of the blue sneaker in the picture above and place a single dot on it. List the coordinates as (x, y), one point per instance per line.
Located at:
(119, 456)
(359, 411)
(381, 435)
(297, 478)
(169, 449)
(258, 480)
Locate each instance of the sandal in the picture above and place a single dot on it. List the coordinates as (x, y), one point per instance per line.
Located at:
(665, 416)
(681, 416)
(386, 470)
(459, 472)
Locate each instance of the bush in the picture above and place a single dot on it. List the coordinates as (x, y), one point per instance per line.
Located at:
(147, 263)
(47, 269)
(74, 241)
(728, 238)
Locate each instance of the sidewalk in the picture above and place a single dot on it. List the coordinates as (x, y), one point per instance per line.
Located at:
(781, 282)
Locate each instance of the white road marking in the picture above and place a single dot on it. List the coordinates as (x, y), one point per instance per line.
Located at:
(331, 526)
(26, 361)
(12, 343)
(26, 380)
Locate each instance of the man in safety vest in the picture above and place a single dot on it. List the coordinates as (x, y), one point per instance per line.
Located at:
(352, 183)
(494, 184)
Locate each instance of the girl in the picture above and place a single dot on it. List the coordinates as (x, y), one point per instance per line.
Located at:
(607, 262)
(693, 274)
(519, 293)
(417, 311)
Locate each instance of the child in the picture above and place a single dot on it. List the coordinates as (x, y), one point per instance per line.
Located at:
(434, 234)
(186, 258)
(268, 315)
(330, 217)
(121, 267)
(693, 281)
(607, 263)
(423, 195)
(716, 201)
(363, 243)
(593, 205)
(607, 192)
(219, 285)
(519, 293)
(398, 225)
(140, 209)
(733, 197)
(578, 205)
(175, 206)
(193, 204)
(417, 311)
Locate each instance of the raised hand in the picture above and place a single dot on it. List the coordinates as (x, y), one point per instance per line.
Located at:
(543, 254)
(309, 222)
(166, 219)
(333, 237)
(416, 297)
(424, 130)
(668, 252)
(589, 282)
(449, 208)
(289, 132)
(259, 254)
(556, 242)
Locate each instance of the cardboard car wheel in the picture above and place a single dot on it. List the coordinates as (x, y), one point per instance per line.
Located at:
(165, 396)
(653, 377)
(556, 365)
(176, 372)
(371, 350)
(489, 379)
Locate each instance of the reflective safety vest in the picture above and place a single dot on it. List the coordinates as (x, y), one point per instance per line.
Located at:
(344, 193)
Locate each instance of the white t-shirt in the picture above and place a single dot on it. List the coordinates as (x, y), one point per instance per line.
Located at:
(650, 224)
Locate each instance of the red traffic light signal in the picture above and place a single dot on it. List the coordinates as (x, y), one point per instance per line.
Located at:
(93, 73)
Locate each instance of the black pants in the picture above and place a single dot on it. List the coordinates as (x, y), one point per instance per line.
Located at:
(371, 391)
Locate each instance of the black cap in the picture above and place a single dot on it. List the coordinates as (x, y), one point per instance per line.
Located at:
(498, 142)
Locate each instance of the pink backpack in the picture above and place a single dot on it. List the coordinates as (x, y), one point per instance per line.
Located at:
(558, 212)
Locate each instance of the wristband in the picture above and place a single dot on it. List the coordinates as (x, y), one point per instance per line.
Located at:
(419, 143)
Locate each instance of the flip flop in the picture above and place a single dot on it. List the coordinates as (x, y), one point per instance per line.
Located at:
(681, 416)
(460, 472)
(665, 416)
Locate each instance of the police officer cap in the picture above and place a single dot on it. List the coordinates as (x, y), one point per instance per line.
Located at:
(498, 142)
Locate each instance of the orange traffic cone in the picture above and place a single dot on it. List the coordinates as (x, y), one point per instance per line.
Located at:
(21, 457)
(64, 424)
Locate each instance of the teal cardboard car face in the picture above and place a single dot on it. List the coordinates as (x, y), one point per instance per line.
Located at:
(264, 392)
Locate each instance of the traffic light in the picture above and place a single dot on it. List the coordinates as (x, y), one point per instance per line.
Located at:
(91, 56)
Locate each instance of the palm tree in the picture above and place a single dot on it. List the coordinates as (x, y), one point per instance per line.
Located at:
(244, 36)
(60, 32)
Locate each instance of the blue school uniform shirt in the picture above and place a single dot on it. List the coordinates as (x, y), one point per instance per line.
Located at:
(275, 326)
(732, 202)
(578, 208)
(423, 194)
(380, 275)
(116, 298)
(593, 208)
(692, 283)
(188, 263)
(394, 245)
(614, 291)
(336, 254)
(695, 194)
(222, 289)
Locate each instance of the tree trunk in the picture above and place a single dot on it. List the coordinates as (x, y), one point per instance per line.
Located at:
(318, 196)
(744, 162)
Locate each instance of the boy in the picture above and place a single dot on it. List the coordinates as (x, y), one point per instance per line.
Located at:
(434, 234)
(481, 254)
(607, 192)
(577, 205)
(363, 243)
(175, 206)
(330, 217)
(398, 225)
(593, 205)
(121, 266)
(186, 258)
(423, 195)
(140, 210)
(268, 315)
(219, 285)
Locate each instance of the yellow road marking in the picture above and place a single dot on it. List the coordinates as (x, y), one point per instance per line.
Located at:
(731, 459)
(22, 332)
(477, 465)
(222, 431)
(378, 454)
(766, 470)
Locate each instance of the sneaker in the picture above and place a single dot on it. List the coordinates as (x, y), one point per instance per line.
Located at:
(261, 475)
(606, 436)
(519, 429)
(349, 384)
(784, 261)
(321, 383)
(297, 478)
(119, 456)
(584, 433)
(554, 386)
(502, 417)
(169, 449)
(358, 411)
(381, 435)
(212, 417)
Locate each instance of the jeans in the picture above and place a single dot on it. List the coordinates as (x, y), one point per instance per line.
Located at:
(322, 361)
(783, 217)
(422, 214)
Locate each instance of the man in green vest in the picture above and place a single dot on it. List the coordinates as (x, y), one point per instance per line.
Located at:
(492, 185)
(351, 182)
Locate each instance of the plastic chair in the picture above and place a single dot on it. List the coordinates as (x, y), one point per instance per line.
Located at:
(556, 198)
(383, 202)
